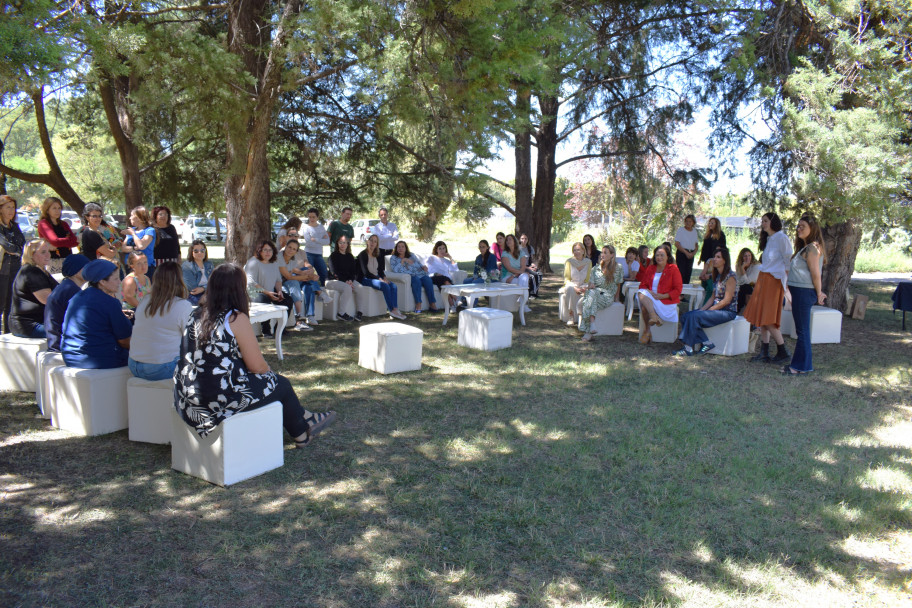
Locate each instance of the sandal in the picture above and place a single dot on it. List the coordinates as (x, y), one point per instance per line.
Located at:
(587, 336)
(788, 371)
(317, 423)
(645, 338)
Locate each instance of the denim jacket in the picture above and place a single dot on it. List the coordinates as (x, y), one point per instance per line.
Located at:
(192, 273)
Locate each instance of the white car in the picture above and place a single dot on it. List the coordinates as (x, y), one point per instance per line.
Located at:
(362, 229)
(72, 218)
(202, 228)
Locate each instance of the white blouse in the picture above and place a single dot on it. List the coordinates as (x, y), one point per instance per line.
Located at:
(777, 255)
(441, 266)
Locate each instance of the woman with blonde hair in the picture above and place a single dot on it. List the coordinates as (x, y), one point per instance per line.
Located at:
(11, 243)
(604, 284)
(159, 324)
(56, 232)
(372, 273)
(576, 278)
(31, 289)
(805, 287)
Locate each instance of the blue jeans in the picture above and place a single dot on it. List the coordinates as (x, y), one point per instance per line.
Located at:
(195, 299)
(153, 371)
(389, 291)
(802, 300)
(693, 322)
(426, 282)
(311, 289)
(316, 260)
(473, 280)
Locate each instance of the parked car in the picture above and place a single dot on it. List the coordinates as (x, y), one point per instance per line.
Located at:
(28, 227)
(72, 218)
(203, 228)
(362, 229)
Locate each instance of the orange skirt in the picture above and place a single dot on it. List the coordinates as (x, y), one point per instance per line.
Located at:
(765, 305)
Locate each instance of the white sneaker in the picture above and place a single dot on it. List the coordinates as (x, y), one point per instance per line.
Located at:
(325, 297)
(570, 322)
(527, 309)
(312, 321)
(303, 326)
(397, 315)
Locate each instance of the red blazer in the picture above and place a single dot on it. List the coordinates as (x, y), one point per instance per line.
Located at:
(642, 271)
(670, 282)
(46, 231)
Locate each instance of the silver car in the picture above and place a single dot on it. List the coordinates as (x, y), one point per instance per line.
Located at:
(202, 228)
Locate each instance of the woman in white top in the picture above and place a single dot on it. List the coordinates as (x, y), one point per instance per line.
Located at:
(315, 238)
(765, 307)
(747, 271)
(629, 265)
(441, 266)
(576, 279)
(686, 239)
(159, 324)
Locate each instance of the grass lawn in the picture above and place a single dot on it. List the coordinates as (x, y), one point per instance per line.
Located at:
(552, 474)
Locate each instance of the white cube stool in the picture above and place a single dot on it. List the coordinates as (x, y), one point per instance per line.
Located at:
(18, 362)
(826, 325)
(90, 401)
(610, 321)
(369, 301)
(242, 446)
(149, 406)
(390, 348)
(787, 324)
(666, 333)
(47, 360)
(731, 338)
(327, 310)
(485, 328)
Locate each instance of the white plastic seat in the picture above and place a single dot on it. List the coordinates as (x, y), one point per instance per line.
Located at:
(787, 323)
(666, 333)
(149, 405)
(47, 360)
(369, 301)
(89, 401)
(390, 348)
(242, 446)
(485, 329)
(826, 325)
(19, 363)
(609, 321)
(731, 338)
(327, 310)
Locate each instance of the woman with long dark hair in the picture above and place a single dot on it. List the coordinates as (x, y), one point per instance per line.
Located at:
(747, 269)
(221, 370)
(404, 261)
(197, 269)
(660, 292)
(535, 275)
(765, 307)
(592, 253)
(713, 239)
(485, 262)
(721, 309)
(159, 324)
(514, 265)
(343, 272)
(805, 287)
(167, 242)
(265, 279)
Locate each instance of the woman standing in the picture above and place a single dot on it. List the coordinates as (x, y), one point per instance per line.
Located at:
(11, 243)
(167, 242)
(713, 239)
(686, 239)
(406, 262)
(590, 250)
(31, 289)
(514, 265)
(535, 276)
(315, 239)
(196, 270)
(604, 282)
(221, 370)
(765, 307)
(747, 269)
(805, 287)
(141, 237)
(344, 269)
(159, 324)
(721, 309)
(56, 232)
(659, 293)
(576, 278)
(372, 273)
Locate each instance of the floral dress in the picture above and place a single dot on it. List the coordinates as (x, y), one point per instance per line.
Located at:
(211, 382)
(601, 296)
(414, 269)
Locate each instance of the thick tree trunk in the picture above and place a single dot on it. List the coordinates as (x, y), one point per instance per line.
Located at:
(115, 98)
(545, 176)
(523, 154)
(841, 241)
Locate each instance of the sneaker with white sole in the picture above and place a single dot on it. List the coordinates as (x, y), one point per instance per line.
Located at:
(397, 315)
(303, 326)
(325, 297)
(312, 321)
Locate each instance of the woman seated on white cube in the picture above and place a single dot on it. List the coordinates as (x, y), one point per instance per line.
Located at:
(221, 370)
(343, 273)
(404, 261)
(159, 324)
(604, 284)
(31, 289)
(372, 273)
(722, 308)
(485, 266)
(576, 278)
(659, 292)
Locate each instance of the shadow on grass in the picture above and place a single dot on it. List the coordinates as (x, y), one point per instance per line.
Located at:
(550, 473)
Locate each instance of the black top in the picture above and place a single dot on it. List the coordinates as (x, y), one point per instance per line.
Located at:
(61, 230)
(167, 243)
(27, 310)
(709, 246)
(91, 241)
(343, 267)
(364, 273)
(594, 258)
(12, 240)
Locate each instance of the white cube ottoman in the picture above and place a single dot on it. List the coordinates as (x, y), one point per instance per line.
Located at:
(243, 446)
(731, 338)
(610, 321)
(390, 348)
(666, 333)
(787, 324)
(89, 401)
(369, 301)
(485, 328)
(18, 362)
(327, 310)
(149, 406)
(826, 325)
(46, 360)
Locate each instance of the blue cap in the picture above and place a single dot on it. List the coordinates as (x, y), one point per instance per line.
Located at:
(98, 270)
(73, 263)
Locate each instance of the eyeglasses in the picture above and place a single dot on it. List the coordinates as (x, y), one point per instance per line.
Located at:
(93, 216)
(199, 251)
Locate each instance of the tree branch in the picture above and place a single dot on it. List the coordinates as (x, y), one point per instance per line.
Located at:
(174, 150)
(32, 178)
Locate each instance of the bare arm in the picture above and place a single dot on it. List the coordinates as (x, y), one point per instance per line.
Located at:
(729, 294)
(247, 344)
(42, 295)
(129, 291)
(813, 260)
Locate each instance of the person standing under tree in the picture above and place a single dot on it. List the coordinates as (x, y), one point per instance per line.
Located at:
(386, 231)
(341, 227)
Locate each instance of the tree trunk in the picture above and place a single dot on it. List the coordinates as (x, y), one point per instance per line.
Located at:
(115, 98)
(841, 241)
(545, 176)
(247, 160)
(523, 154)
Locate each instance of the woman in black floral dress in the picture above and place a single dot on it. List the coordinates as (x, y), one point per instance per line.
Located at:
(221, 370)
